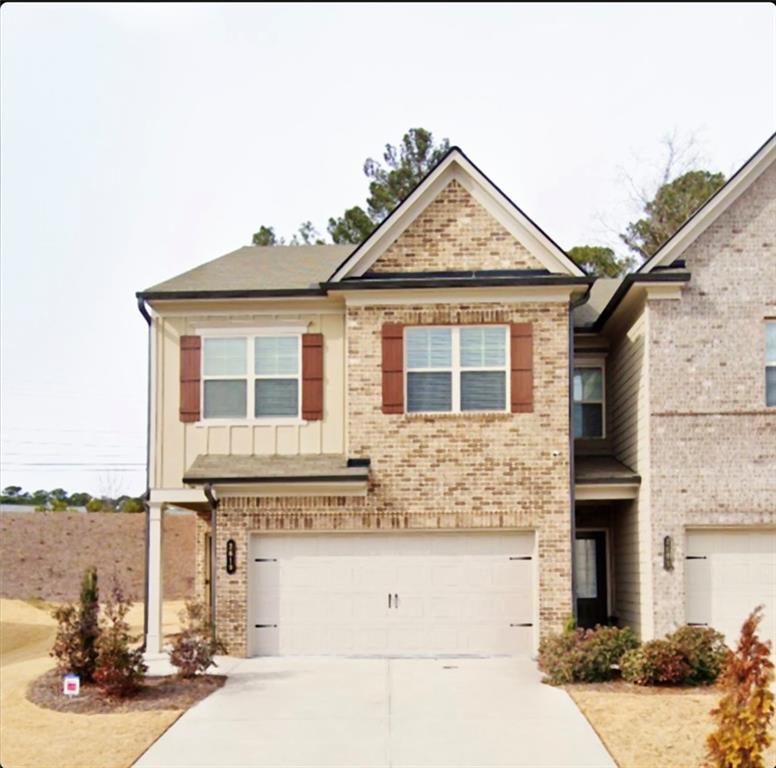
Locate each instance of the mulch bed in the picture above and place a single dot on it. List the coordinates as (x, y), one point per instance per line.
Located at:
(156, 693)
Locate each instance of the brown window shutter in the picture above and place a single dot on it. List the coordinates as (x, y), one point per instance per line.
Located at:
(191, 350)
(521, 348)
(393, 368)
(312, 376)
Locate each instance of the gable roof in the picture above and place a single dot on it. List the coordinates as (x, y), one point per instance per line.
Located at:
(255, 271)
(456, 165)
(713, 208)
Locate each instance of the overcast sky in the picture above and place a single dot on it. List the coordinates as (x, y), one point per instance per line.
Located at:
(139, 141)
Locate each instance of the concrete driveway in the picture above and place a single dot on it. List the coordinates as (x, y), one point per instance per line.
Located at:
(380, 712)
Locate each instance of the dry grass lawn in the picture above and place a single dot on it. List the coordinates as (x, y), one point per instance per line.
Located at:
(651, 728)
(32, 737)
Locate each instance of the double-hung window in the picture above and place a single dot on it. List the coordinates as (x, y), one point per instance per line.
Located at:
(589, 401)
(770, 362)
(255, 377)
(456, 369)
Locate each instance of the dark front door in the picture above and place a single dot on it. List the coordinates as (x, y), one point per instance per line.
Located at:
(590, 578)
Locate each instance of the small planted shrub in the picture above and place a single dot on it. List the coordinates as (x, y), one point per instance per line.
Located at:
(120, 669)
(656, 662)
(75, 644)
(688, 656)
(746, 710)
(703, 649)
(584, 655)
(195, 647)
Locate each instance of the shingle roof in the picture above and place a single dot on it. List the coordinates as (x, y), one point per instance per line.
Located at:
(603, 469)
(224, 468)
(259, 268)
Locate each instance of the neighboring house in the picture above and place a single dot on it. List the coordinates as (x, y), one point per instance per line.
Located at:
(379, 440)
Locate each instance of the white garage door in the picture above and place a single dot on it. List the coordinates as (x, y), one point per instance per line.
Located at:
(727, 574)
(401, 594)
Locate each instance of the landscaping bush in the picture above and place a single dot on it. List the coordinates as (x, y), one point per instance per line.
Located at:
(688, 656)
(584, 655)
(195, 646)
(745, 711)
(656, 662)
(120, 669)
(703, 649)
(75, 645)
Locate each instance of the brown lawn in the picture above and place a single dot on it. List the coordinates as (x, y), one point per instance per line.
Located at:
(32, 737)
(646, 727)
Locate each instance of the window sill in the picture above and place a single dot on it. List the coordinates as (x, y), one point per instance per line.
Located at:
(460, 416)
(279, 422)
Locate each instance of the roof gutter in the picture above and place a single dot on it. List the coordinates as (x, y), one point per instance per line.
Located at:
(208, 481)
(573, 305)
(147, 317)
(245, 293)
(213, 503)
(372, 283)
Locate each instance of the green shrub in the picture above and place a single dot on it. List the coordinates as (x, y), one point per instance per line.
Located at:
(94, 505)
(656, 662)
(194, 648)
(75, 644)
(704, 651)
(584, 655)
(120, 669)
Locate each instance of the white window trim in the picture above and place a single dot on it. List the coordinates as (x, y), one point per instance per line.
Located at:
(455, 369)
(768, 363)
(249, 334)
(600, 363)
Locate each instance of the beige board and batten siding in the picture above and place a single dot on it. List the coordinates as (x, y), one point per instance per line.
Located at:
(176, 445)
(628, 424)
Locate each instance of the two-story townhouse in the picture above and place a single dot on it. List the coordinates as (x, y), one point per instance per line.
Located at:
(676, 364)
(380, 441)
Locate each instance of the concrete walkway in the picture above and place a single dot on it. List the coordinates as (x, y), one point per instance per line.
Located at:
(380, 712)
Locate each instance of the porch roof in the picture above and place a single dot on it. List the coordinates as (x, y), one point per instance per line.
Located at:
(603, 470)
(222, 468)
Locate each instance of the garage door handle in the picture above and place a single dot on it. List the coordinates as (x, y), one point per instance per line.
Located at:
(389, 600)
(395, 600)
(696, 557)
(524, 624)
(266, 626)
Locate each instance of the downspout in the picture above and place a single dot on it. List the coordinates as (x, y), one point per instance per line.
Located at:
(213, 502)
(147, 495)
(573, 304)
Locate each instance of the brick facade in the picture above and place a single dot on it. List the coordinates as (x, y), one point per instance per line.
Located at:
(712, 440)
(455, 233)
(468, 472)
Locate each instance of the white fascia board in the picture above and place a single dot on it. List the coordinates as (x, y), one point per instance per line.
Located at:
(605, 491)
(699, 222)
(178, 496)
(457, 167)
(323, 488)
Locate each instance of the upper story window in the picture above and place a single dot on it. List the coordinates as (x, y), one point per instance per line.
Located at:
(589, 401)
(770, 362)
(251, 376)
(455, 369)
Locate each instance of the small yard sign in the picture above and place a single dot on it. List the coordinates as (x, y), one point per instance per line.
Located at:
(71, 685)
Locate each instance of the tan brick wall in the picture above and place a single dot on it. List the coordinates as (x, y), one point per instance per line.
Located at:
(473, 471)
(455, 233)
(713, 442)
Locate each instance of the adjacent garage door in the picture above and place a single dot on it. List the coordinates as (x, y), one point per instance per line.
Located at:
(401, 594)
(728, 573)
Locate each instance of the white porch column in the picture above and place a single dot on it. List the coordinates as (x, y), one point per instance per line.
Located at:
(154, 630)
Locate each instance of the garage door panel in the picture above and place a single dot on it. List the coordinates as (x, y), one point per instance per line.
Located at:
(458, 593)
(737, 574)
